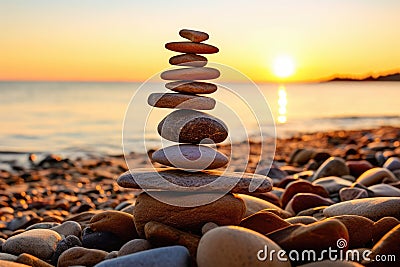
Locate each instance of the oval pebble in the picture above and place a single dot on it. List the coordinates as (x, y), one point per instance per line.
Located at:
(191, 157)
(203, 73)
(189, 47)
(180, 101)
(189, 60)
(194, 36)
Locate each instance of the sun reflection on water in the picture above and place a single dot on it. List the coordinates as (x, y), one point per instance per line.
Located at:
(282, 103)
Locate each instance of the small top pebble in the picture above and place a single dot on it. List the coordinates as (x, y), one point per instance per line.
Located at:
(194, 36)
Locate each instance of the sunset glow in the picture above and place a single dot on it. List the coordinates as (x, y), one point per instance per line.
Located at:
(124, 40)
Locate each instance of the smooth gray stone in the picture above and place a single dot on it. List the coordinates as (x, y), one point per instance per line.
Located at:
(171, 179)
(174, 256)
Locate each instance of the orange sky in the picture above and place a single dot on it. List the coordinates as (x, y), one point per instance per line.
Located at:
(124, 40)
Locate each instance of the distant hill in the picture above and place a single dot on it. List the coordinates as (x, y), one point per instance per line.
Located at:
(390, 77)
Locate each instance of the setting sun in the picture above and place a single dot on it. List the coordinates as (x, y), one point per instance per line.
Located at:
(283, 66)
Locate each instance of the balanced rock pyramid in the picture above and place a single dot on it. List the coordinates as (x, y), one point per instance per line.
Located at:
(190, 175)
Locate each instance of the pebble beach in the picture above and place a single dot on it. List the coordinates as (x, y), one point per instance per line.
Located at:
(326, 186)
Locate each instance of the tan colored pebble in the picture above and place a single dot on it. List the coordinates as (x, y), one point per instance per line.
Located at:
(203, 73)
(208, 226)
(228, 210)
(81, 256)
(228, 246)
(4, 263)
(133, 246)
(180, 101)
(263, 222)
(32, 261)
(376, 176)
(301, 219)
(194, 36)
(116, 222)
(192, 87)
(192, 48)
(188, 60)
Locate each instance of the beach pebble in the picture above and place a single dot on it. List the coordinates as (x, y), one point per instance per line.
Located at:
(208, 226)
(392, 164)
(384, 190)
(173, 256)
(376, 176)
(117, 222)
(301, 219)
(203, 73)
(263, 222)
(359, 229)
(192, 48)
(191, 126)
(106, 241)
(301, 156)
(171, 179)
(5, 263)
(358, 167)
(334, 166)
(235, 246)
(180, 101)
(333, 184)
(315, 236)
(302, 187)
(255, 204)
(189, 60)
(161, 235)
(349, 193)
(192, 87)
(228, 210)
(68, 228)
(65, 244)
(133, 246)
(32, 261)
(383, 226)
(37, 242)
(372, 208)
(81, 256)
(190, 157)
(303, 201)
(388, 245)
(194, 36)
(7, 257)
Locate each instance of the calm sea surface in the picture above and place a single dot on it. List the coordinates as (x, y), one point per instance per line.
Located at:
(89, 117)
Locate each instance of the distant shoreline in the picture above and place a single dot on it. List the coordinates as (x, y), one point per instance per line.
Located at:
(390, 77)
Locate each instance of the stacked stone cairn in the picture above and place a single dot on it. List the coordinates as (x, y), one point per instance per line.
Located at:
(190, 175)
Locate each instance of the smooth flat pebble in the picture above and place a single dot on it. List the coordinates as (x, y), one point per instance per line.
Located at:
(191, 87)
(194, 36)
(68, 228)
(230, 246)
(376, 176)
(189, 60)
(4, 263)
(203, 73)
(41, 243)
(171, 179)
(192, 126)
(190, 157)
(255, 204)
(133, 246)
(81, 256)
(116, 222)
(373, 208)
(384, 190)
(227, 210)
(333, 166)
(32, 261)
(191, 47)
(173, 256)
(180, 101)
